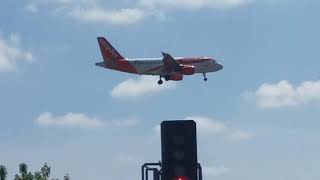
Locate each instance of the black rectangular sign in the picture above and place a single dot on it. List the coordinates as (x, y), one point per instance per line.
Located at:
(179, 150)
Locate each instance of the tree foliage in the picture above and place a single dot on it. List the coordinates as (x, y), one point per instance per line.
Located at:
(66, 177)
(45, 171)
(43, 174)
(24, 174)
(3, 172)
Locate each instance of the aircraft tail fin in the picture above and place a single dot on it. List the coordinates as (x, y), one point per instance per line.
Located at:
(108, 51)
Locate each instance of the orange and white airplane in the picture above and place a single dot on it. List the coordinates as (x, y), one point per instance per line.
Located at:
(167, 67)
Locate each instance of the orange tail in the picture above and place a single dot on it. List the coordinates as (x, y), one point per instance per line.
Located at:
(108, 52)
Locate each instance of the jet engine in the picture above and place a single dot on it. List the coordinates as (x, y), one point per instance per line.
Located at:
(187, 70)
(176, 77)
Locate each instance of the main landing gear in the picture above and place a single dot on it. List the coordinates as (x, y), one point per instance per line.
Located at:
(166, 77)
(205, 77)
(160, 81)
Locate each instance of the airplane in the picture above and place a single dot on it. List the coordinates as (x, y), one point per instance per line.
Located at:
(167, 67)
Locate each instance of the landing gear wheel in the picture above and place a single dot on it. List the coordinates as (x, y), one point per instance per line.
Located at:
(205, 77)
(160, 81)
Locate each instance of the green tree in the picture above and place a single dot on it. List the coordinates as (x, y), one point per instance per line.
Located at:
(66, 177)
(23, 168)
(3, 172)
(17, 177)
(24, 175)
(43, 174)
(37, 176)
(45, 171)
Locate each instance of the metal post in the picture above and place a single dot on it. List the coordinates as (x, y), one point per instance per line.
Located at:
(145, 168)
(147, 174)
(199, 171)
(156, 174)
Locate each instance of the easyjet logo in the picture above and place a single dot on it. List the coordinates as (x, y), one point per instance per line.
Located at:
(109, 49)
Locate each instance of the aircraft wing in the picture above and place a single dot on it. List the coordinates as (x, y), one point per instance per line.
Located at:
(170, 63)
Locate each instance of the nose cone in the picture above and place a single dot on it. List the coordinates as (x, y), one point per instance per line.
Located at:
(219, 66)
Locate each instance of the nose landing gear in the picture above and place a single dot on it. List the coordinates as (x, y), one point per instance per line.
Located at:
(205, 77)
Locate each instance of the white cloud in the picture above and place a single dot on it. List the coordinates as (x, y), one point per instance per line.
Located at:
(64, 2)
(208, 126)
(193, 4)
(90, 11)
(122, 16)
(284, 94)
(125, 158)
(74, 120)
(240, 135)
(15, 39)
(80, 120)
(129, 122)
(143, 86)
(157, 130)
(11, 53)
(215, 171)
(32, 8)
(96, 11)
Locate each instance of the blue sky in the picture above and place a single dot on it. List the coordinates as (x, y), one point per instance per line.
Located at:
(258, 118)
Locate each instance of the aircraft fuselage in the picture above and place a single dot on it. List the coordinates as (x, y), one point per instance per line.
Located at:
(168, 67)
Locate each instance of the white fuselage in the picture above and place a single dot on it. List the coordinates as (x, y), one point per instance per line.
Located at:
(154, 66)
